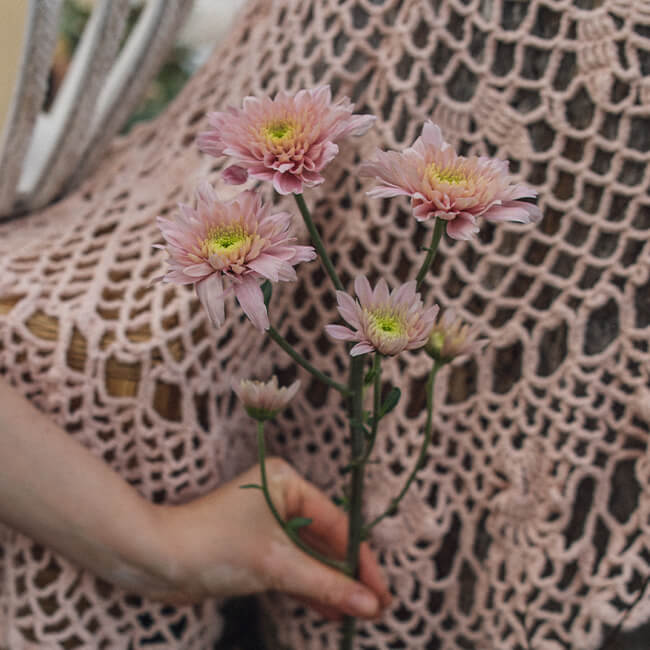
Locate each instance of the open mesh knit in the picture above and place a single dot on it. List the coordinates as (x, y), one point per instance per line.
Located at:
(529, 525)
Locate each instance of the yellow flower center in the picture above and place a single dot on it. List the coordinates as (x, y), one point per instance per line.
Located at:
(279, 130)
(386, 323)
(226, 239)
(447, 175)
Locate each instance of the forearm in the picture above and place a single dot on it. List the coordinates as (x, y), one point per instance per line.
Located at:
(55, 491)
(222, 544)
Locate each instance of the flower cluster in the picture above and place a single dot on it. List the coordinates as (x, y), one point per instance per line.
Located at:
(237, 247)
(232, 247)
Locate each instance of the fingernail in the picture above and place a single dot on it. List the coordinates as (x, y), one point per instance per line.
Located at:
(363, 603)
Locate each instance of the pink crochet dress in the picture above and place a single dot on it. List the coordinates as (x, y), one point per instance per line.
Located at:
(529, 525)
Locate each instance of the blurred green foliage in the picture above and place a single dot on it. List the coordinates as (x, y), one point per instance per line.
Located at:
(172, 76)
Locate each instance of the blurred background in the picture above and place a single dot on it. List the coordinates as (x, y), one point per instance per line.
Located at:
(206, 25)
(74, 73)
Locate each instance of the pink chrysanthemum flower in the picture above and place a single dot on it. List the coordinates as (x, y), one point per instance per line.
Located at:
(264, 400)
(238, 241)
(451, 338)
(383, 321)
(455, 188)
(287, 140)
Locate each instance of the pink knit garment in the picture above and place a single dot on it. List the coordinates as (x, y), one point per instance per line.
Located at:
(530, 524)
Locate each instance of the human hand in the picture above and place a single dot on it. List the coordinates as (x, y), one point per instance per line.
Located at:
(227, 543)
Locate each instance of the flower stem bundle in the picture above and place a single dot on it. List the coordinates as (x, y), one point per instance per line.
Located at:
(241, 248)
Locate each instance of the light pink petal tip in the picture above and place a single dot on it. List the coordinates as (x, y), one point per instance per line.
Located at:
(210, 293)
(235, 175)
(251, 299)
(341, 333)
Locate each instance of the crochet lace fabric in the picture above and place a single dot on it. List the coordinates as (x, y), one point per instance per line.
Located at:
(528, 526)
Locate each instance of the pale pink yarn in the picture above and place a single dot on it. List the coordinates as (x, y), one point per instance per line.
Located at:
(529, 522)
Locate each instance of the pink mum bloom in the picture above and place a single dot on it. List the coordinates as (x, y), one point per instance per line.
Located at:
(451, 338)
(383, 321)
(264, 400)
(287, 140)
(239, 241)
(455, 188)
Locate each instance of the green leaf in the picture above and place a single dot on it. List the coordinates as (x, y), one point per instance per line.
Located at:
(267, 292)
(298, 522)
(390, 402)
(251, 486)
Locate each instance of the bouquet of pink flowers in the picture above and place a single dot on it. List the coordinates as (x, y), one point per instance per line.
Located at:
(242, 247)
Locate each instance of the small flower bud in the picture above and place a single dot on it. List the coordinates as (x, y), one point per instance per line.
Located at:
(451, 338)
(264, 400)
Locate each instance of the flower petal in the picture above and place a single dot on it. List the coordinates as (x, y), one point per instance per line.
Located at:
(520, 211)
(380, 294)
(287, 183)
(198, 271)
(269, 266)
(432, 135)
(462, 227)
(251, 299)
(363, 290)
(341, 333)
(348, 308)
(210, 293)
(235, 175)
(361, 348)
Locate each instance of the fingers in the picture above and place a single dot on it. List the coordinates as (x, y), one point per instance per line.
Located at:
(329, 523)
(372, 576)
(328, 532)
(300, 575)
(330, 613)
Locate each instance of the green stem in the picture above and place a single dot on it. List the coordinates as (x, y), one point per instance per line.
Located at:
(433, 249)
(355, 528)
(376, 405)
(423, 452)
(318, 242)
(292, 534)
(301, 361)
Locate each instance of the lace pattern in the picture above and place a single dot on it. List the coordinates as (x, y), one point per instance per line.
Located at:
(528, 525)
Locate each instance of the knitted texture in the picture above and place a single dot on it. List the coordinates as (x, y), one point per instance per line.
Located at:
(528, 526)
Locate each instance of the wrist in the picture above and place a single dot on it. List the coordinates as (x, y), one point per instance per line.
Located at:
(209, 547)
(162, 564)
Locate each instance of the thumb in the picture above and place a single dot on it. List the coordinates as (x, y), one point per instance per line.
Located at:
(304, 577)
